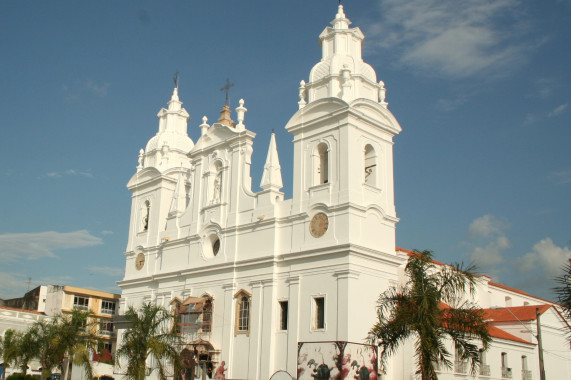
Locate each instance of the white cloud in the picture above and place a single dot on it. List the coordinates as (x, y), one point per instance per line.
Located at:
(558, 110)
(106, 232)
(69, 172)
(487, 226)
(98, 89)
(489, 240)
(108, 271)
(31, 246)
(530, 119)
(12, 284)
(545, 256)
(454, 38)
(562, 176)
(80, 88)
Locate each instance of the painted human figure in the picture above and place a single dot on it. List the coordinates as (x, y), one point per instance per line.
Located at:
(219, 374)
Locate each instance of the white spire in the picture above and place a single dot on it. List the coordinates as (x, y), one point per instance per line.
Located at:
(340, 22)
(178, 203)
(175, 103)
(272, 177)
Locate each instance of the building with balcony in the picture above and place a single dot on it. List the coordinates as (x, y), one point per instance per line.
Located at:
(50, 300)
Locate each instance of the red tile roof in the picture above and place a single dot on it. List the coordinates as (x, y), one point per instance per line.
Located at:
(491, 283)
(501, 334)
(523, 313)
(495, 332)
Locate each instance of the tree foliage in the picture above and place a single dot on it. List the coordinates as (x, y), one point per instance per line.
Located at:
(563, 291)
(8, 350)
(60, 341)
(430, 308)
(150, 334)
(75, 338)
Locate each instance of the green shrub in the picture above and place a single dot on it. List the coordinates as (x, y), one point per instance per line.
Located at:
(20, 376)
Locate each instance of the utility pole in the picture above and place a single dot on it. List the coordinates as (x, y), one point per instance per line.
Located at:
(540, 347)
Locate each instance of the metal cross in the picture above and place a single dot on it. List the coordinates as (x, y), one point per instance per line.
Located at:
(226, 88)
(175, 79)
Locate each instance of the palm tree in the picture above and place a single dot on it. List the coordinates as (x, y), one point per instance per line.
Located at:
(563, 290)
(25, 349)
(8, 350)
(150, 333)
(429, 309)
(74, 341)
(46, 333)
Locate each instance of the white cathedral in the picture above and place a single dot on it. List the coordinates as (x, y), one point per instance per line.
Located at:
(265, 286)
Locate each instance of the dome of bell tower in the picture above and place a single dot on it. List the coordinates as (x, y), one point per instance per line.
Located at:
(342, 72)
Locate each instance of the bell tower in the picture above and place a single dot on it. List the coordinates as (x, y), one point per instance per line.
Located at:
(160, 185)
(343, 142)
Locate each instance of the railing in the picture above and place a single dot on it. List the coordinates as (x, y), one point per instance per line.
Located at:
(81, 307)
(526, 374)
(485, 370)
(506, 373)
(106, 333)
(107, 311)
(460, 367)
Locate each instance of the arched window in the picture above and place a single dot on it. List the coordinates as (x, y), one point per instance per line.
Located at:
(321, 160)
(243, 299)
(370, 165)
(146, 213)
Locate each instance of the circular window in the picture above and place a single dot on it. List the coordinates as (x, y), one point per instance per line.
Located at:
(216, 246)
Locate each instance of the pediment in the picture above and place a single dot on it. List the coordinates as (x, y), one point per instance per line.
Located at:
(214, 135)
(144, 175)
(316, 110)
(376, 111)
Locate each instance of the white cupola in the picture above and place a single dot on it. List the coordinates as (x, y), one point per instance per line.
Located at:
(342, 73)
(170, 146)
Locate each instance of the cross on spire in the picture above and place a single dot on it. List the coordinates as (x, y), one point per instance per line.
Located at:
(226, 88)
(175, 79)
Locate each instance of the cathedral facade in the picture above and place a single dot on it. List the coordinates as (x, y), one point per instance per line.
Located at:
(261, 285)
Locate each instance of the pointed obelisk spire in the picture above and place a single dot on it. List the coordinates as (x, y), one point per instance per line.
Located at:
(272, 177)
(178, 203)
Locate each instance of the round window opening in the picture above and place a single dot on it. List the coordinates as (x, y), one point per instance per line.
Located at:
(216, 246)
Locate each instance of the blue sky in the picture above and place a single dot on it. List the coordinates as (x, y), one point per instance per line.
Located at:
(481, 89)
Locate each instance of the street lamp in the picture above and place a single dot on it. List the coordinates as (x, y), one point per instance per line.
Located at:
(538, 337)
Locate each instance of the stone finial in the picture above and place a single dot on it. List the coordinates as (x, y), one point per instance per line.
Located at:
(382, 94)
(302, 94)
(241, 111)
(225, 118)
(204, 126)
(141, 158)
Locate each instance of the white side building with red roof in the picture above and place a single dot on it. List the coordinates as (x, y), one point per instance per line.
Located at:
(265, 286)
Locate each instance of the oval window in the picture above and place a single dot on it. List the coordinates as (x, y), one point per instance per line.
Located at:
(216, 246)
